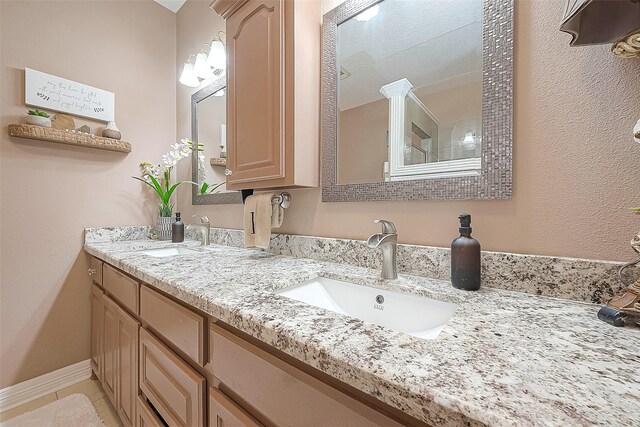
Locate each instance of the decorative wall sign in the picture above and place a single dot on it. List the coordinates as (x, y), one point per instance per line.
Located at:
(58, 94)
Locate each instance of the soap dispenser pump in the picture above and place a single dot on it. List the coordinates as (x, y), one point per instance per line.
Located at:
(465, 258)
(177, 230)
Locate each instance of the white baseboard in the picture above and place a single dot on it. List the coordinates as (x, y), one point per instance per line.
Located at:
(26, 391)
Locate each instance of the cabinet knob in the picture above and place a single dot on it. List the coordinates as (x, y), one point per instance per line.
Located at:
(92, 271)
(228, 172)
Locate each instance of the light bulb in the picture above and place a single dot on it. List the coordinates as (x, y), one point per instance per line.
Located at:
(201, 68)
(188, 77)
(217, 58)
(368, 13)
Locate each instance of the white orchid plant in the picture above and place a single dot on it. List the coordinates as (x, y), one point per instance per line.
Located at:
(158, 177)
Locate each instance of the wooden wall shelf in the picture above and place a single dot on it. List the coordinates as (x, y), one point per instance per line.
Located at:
(218, 162)
(67, 137)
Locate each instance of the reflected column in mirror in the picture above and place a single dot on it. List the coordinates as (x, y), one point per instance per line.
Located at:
(432, 51)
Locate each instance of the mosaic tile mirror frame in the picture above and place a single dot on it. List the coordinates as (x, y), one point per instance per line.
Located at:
(493, 178)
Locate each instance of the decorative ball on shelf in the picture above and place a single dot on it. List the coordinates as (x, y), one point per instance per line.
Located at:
(111, 131)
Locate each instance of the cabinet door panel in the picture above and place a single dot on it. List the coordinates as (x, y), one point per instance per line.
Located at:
(282, 394)
(128, 332)
(96, 331)
(170, 384)
(254, 107)
(122, 287)
(174, 323)
(224, 413)
(110, 349)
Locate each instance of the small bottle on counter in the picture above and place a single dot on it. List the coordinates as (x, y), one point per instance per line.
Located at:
(465, 258)
(177, 230)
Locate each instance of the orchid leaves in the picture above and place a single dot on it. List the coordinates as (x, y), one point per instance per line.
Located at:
(209, 189)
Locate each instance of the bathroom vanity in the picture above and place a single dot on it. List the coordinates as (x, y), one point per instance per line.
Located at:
(215, 343)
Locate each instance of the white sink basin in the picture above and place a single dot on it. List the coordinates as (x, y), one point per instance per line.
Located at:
(418, 316)
(165, 252)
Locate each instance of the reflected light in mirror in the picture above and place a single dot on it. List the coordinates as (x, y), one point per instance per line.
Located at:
(469, 140)
(188, 77)
(368, 14)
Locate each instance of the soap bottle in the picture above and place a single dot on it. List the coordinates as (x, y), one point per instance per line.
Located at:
(177, 230)
(465, 258)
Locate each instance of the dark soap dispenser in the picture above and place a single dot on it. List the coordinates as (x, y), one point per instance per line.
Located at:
(465, 258)
(177, 230)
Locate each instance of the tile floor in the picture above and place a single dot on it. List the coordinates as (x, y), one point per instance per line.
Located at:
(91, 388)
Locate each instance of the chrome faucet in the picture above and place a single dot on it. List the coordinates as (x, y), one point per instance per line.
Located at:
(388, 242)
(204, 226)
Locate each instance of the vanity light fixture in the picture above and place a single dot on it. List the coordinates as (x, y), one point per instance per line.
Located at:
(188, 76)
(217, 56)
(206, 67)
(368, 13)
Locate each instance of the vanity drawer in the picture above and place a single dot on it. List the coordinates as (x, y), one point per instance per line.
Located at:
(95, 270)
(122, 287)
(177, 324)
(280, 393)
(224, 412)
(173, 387)
(145, 415)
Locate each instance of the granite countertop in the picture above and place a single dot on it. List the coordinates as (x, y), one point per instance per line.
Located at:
(505, 358)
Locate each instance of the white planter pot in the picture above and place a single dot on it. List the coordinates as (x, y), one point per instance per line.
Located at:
(163, 227)
(45, 122)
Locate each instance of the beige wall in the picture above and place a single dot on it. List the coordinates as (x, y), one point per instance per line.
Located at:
(362, 142)
(575, 165)
(51, 192)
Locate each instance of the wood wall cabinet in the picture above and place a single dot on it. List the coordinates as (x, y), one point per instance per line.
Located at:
(273, 92)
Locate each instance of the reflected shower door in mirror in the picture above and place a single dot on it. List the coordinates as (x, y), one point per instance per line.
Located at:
(409, 91)
(208, 130)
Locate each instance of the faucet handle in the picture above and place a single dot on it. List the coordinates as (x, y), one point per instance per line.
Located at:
(203, 218)
(387, 226)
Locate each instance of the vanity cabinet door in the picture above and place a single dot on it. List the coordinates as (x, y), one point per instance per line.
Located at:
(277, 393)
(127, 367)
(96, 331)
(110, 348)
(224, 413)
(255, 134)
(174, 388)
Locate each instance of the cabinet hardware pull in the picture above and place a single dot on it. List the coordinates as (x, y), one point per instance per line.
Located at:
(92, 271)
(228, 172)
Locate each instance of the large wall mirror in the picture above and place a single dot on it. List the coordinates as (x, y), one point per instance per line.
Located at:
(417, 100)
(208, 129)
